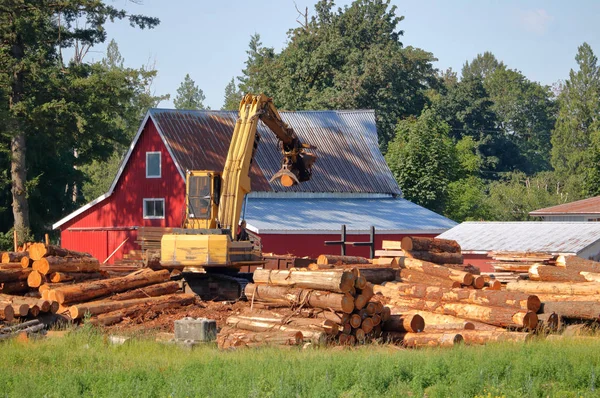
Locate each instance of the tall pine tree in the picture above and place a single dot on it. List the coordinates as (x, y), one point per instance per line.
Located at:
(189, 96)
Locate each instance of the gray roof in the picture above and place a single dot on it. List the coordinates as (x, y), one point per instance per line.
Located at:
(326, 215)
(535, 236)
(349, 159)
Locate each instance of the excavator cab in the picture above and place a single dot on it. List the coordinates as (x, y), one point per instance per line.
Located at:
(203, 190)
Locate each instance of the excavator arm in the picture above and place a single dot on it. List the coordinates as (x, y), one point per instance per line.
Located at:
(296, 163)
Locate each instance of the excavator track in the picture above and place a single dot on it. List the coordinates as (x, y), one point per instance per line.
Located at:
(217, 286)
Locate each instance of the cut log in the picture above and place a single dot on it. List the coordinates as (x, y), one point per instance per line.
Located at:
(391, 245)
(90, 290)
(417, 340)
(590, 276)
(234, 338)
(583, 288)
(296, 297)
(438, 258)
(493, 284)
(159, 289)
(39, 250)
(316, 337)
(483, 297)
(324, 325)
(578, 263)
(551, 273)
(13, 257)
(589, 310)
(497, 316)
(360, 282)
(78, 311)
(549, 322)
(6, 311)
(511, 267)
(367, 325)
(26, 262)
(415, 243)
(355, 321)
(174, 301)
(385, 262)
(4, 266)
(378, 275)
(35, 279)
(478, 282)
(360, 335)
(332, 259)
(481, 337)
(340, 281)
(14, 287)
(13, 275)
(436, 270)
(404, 323)
(442, 328)
(57, 277)
(48, 265)
(363, 298)
(413, 276)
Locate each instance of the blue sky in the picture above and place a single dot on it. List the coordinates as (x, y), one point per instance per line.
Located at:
(209, 39)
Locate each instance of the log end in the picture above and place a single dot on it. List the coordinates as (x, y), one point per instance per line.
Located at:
(469, 326)
(406, 243)
(8, 312)
(35, 279)
(534, 303)
(478, 282)
(530, 320)
(347, 304)
(25, 262)
(417, 323)
(360, 302)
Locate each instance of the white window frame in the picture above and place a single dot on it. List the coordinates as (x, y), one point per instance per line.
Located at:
(147, 217)
(159, 164)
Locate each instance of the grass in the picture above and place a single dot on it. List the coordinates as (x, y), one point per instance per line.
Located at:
(84, 364)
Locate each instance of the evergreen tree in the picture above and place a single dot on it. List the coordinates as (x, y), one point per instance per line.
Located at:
(189, 96)
(233, 96)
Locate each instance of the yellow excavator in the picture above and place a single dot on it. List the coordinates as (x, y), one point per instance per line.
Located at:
(214, 200)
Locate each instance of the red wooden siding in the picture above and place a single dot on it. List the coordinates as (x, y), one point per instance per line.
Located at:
(103, 227)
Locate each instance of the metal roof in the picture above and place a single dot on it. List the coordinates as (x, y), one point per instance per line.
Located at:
(536, 236)
(349, 159)
(585, 206)
(326, 215)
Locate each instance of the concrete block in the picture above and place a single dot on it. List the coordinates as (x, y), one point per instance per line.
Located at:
(199, 330)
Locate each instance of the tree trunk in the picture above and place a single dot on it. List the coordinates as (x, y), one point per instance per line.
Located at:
(417, 340)
(6, 311)
(159, 289)
(4, 266)
(57, 277)
(404, 323)
(481, 337)
(551, 273)
(440, 271)
(18, 172)
(13, 257)
(26, 262)
(91, 290)
(232, 338)
(438, 258)
(332, 259)
(583, 288)
(316, 337)
(48, 265)
(37, 251)
(492, 298)
(294, 297)
(78, 311)
(13, 275)
(413, 276)
(377, 276)
(322, 325)
(589, 310)
(414, 243)
(35, 279)
(339, 281)
(578, 263)
(15, 287)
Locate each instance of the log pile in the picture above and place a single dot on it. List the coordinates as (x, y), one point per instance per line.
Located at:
(321, 306)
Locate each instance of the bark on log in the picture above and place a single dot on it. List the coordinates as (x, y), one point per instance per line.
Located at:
(13, 257)
(78, 311)
(492, 298)
(39, 250)
(295, 297)
(377, 276)
(114, 317)
(417, 340)
(4, 266)
(551, 273)
(332, 259)
(498, 316)
(578, 263)
(413, 276)
(436, 270)
(589, 310)
(160, 289)
(438, 258)
(413, 323)
(339, 281)
(315, 337)
(48, 265)
(590, 276)
(481, 337)
(13, 275)
(234, 338)
(35, 279)
(89, 290)
(464, 325)
(14, 287)
(583, 288)
(324, 325)
(415, 243)
(57, 277)
(6, 311)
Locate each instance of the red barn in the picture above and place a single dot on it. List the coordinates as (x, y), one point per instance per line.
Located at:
(351, 185)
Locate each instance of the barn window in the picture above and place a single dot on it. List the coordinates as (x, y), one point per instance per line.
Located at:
(153, 166)
(154, 208)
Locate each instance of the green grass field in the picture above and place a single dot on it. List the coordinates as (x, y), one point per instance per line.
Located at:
(84, 364)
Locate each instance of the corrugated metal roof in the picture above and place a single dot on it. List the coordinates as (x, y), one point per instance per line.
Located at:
(537, 236)
(326, 215)
(349, 159)
(585, 206)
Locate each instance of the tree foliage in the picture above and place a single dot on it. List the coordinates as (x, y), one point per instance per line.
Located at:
(189, 96)
(233, 96)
